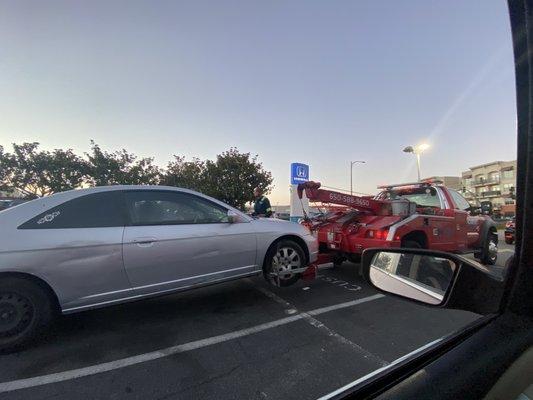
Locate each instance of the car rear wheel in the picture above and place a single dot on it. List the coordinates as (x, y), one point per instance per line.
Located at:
(280, 262)
(25, 311)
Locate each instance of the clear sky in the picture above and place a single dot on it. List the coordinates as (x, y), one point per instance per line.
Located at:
(314, 81)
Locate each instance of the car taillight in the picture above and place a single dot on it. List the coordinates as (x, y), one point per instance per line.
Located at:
(380, 234)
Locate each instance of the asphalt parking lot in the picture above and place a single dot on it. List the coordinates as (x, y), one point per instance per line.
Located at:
(239, 340)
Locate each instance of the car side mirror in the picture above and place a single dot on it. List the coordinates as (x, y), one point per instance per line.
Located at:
(475, 211)
(433, 278)
(233, 217)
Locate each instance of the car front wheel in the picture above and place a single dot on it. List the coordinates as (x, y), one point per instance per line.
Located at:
(25, 311)
(281, 261)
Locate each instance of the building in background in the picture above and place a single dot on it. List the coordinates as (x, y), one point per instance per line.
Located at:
(453, 182)
(493, 182)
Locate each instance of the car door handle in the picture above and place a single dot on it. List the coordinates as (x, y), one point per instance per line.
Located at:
(144, 241)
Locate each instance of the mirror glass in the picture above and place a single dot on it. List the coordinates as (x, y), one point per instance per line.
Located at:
(421, 277)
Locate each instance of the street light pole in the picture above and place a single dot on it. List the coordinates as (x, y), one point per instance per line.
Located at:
(417, 150)
(351, 173)
(418, 165)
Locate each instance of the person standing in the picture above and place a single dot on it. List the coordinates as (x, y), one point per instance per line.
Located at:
(262, 206)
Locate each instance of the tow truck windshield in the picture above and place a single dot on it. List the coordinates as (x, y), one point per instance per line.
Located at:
(423, 197)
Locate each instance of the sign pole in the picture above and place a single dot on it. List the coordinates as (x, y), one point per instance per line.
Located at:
(299, 174)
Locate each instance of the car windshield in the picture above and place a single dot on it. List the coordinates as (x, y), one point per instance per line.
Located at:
(188, 190)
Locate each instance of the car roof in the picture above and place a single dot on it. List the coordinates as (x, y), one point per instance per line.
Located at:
(35, 207)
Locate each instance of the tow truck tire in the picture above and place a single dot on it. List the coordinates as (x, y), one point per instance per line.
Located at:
(26, 310)
(338, 260)
(411, 244)
(489, 256)
(279, 255)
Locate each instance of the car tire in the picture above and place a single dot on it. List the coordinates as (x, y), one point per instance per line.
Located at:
(489, 256)
(26, 310)
(283, 256)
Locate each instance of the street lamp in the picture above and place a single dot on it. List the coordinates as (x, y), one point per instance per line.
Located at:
(351, 173)
(417, 150)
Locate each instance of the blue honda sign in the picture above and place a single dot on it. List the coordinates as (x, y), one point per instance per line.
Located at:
(299, 173)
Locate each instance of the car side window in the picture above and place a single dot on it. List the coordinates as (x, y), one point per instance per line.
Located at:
(172, 208)
(97, 210)
(459, 200)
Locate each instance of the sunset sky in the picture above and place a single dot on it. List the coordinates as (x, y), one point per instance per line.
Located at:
(319, 82)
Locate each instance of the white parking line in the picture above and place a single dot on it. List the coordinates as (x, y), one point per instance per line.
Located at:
(154, 355)
(290, 308)
(378, 371)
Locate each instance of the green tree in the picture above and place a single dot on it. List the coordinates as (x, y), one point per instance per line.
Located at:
(232, 177)
(120, 168)
(5, 170)
(185, 174)
(36, 173)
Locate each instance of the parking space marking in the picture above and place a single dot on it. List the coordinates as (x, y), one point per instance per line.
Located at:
(340, 283)
(154, 355)
(290, 308)
(378, 371)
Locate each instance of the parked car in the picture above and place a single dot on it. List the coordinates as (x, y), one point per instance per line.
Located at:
(11, 203)
(510, 231)
(4, 204)
(96, 247)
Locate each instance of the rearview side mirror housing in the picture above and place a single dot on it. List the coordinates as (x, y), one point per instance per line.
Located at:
(475, 211)
(233, 217)
(434, 278)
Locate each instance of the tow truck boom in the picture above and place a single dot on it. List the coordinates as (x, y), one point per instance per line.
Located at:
(314, 193)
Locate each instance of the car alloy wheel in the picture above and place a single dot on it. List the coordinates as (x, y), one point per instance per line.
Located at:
(285, 260)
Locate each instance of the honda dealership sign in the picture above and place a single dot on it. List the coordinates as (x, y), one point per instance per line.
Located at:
(299, 173)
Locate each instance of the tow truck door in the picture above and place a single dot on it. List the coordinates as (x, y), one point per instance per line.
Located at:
(459, 206)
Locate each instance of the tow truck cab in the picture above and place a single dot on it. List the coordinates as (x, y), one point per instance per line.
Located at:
(441, 220)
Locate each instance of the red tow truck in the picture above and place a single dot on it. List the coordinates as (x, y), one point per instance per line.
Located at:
(416, 215)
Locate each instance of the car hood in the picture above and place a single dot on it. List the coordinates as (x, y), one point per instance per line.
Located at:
(280, 225)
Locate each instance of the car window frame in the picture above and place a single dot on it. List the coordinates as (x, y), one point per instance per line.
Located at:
(129, 218)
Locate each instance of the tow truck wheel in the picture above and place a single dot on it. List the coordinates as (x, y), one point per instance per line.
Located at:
(338, 260)
(280, 260)
(411, 244)
(489, 254)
